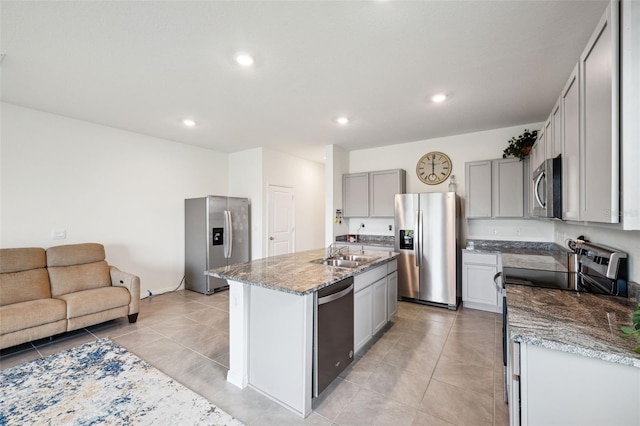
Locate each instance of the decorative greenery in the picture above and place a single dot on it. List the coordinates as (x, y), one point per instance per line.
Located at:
(520, 146)
(634, 330)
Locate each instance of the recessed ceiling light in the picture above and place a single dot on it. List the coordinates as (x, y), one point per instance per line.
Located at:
(245, 59)
(188, 122)
(343, 121)
(440, 97)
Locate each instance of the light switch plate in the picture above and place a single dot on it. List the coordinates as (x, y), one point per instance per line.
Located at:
(59, 234)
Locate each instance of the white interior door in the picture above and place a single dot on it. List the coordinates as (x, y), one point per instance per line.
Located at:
(281, 214)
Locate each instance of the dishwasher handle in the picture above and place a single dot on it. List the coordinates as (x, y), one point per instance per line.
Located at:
(335, 296)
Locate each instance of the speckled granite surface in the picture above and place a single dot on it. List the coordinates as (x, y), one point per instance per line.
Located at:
(572, 322)
(296, 273)
(517, 247)
(523, 254)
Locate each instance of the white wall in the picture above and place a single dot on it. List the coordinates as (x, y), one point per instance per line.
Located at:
(336, 164)
(251, 172)
(245, 180)
(307, 180)
(460, 148)
(105, 185)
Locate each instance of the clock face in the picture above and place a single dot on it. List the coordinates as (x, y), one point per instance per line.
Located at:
(434, 168)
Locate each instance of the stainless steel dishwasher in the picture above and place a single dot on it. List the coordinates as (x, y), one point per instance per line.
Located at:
(333, 333)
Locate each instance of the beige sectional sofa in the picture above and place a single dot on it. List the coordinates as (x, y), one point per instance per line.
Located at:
(44, 293)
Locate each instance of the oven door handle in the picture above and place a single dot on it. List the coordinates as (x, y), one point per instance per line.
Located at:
(499, 287)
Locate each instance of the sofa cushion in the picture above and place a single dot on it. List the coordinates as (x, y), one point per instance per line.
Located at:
(23, 286)
(23, 315)
(21, 259)
(75, 254)
(22, 275)
(69, 279)
(95, 300)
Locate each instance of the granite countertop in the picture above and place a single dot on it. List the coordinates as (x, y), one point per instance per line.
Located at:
(524, 254)
(296, 273)
(572, 322)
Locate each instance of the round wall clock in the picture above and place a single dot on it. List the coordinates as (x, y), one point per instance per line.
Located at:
(434, 168)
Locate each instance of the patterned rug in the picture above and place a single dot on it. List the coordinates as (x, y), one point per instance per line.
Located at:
(100, 383)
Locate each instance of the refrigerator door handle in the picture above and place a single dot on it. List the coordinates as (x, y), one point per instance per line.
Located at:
(228, 248)
(418, 238)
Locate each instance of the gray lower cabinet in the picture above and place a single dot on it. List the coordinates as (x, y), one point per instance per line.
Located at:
(494, 188)
(362, 317)
(373, 304)
(478, 288)
(392, 294)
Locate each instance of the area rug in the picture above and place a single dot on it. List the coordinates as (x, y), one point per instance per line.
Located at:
(100, 383)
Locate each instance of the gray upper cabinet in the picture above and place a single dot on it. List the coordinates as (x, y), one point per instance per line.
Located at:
(571, 148)
(494, 188)
(538, 151)
(600, 143)
(372, 194)
(555, 144)
(478, 189)
(355, 195)
(508, 188)
(383, 186)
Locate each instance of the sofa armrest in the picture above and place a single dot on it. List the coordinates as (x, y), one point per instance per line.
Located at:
(130, 282)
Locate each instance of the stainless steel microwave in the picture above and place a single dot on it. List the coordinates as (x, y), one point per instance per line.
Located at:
(547, 189)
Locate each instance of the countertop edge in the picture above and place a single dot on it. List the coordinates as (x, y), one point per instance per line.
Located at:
(348, 272)
(572, 349)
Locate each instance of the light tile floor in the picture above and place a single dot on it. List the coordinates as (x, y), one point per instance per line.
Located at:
(430, 366)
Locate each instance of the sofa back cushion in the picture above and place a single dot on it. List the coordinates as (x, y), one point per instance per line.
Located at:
(23, 276)
(77, 267)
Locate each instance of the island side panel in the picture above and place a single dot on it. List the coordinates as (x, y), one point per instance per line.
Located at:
(281, 347)
(561, 388)
(238, 334)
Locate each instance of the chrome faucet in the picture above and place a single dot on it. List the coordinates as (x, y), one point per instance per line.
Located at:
(332, 251)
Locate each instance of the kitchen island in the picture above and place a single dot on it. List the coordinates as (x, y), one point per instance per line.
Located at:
(568, 363)
(271, 308)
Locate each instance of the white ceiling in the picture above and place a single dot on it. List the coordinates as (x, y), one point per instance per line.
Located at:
(143, 66)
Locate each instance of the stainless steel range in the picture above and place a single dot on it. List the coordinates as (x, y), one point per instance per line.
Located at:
(591, 268)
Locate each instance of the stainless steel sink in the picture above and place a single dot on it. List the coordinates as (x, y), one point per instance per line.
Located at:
(343, 263)
(356, 257)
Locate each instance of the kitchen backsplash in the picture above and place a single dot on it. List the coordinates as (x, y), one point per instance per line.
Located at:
(371, 240)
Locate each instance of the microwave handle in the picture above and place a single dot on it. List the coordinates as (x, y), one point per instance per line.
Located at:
(536, 190)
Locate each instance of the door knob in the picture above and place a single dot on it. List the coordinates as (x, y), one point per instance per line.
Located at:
(271, 238)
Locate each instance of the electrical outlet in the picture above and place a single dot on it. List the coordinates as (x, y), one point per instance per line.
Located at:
(495, 231)
(518, 231)
(390, 228)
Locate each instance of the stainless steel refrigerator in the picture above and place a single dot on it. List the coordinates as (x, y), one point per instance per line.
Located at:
(216, 234)
(427, 228)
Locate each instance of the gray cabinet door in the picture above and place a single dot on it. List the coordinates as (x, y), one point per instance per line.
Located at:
(355, 195)
(570, 155)
(384, 185)
(508, 188)
(599, 97)
(478, 189)
(558, 131)
(548, 132)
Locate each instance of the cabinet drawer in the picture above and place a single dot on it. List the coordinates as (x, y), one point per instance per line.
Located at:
(367, 278)
(485, 259)
(392, 266)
